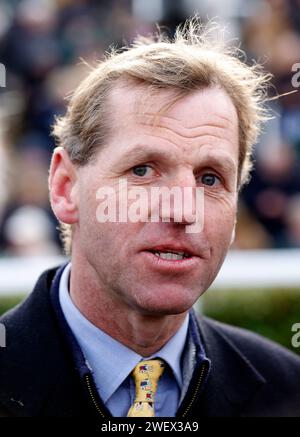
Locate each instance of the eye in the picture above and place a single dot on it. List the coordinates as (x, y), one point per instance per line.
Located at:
(141, 170)
(209, 179)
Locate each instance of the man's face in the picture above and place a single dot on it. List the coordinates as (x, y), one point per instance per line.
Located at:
(193, 144)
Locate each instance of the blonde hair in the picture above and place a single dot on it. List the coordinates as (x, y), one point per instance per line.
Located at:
(192, 60)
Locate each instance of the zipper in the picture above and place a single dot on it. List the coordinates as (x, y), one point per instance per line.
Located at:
(198, 387)
(94, 400)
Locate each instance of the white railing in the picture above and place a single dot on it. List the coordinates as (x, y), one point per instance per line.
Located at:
(260, 268)
(241, 269)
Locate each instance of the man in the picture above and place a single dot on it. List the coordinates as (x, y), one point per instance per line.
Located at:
(112, 333)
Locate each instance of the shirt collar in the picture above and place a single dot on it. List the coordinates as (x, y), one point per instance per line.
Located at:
(110, 361)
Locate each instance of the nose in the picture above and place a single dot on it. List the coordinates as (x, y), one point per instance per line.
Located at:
(179, 200)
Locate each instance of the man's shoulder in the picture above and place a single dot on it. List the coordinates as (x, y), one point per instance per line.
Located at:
(253, 376)
(37, 298)
(35, 367)
(268, 357)
(28, 323)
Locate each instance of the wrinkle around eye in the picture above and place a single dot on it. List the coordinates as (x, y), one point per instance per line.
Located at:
(228, 199)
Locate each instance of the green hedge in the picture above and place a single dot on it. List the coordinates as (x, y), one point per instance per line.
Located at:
(7, 302)
(270, 313)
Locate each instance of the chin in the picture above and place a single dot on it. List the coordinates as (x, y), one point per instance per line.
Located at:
(162, 311)
(167, 303)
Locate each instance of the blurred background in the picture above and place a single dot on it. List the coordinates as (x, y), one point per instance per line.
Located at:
(42, 45)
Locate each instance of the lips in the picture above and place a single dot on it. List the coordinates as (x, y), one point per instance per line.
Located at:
(172, 257)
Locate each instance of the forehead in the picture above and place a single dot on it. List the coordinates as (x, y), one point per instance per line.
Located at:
(201, 121)
(141, 104)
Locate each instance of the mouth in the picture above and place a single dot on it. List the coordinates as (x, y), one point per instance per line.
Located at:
(171, 255)
(170, 259)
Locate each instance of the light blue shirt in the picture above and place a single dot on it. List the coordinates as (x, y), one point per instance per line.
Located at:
(111, 362)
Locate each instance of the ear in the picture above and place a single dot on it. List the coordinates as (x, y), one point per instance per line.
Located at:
(63, 187)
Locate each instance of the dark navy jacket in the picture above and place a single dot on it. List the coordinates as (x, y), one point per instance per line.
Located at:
(249, 375)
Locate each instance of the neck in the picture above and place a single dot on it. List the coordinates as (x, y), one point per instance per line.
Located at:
(143, 333)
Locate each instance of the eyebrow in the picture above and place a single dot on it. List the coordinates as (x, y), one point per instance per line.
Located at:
(143, 153)
(221, 160)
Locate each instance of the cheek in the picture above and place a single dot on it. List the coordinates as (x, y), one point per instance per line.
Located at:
(219, 221)
(87, 202)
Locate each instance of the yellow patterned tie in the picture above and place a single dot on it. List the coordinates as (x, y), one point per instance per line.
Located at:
(146, 375)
